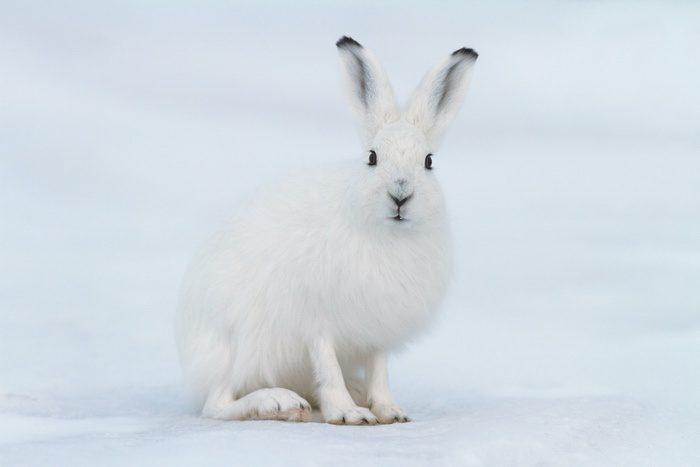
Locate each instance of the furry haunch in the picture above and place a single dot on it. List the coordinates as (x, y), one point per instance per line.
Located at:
(296, 302)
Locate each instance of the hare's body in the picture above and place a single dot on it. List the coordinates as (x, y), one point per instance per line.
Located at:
(282, 274)
(299, 298)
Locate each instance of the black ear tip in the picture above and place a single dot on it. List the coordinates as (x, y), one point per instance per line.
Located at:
(468, 53)
(347, 41)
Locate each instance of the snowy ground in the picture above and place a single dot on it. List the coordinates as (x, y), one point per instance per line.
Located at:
(571, 335)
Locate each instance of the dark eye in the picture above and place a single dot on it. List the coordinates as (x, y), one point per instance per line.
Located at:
(429, 161)
(372, 158)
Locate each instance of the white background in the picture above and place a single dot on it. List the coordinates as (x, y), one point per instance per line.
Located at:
(571, 334)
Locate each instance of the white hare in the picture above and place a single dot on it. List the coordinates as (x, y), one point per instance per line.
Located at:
(298, 300)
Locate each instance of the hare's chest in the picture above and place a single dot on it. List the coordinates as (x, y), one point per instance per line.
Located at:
(387, 295)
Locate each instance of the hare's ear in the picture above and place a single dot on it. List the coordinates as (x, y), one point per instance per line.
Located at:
(371, 97)
(439, 96)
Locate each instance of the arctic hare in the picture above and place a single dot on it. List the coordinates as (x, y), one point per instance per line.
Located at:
(298, 300)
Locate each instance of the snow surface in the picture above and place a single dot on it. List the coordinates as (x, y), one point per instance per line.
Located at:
(571, 334)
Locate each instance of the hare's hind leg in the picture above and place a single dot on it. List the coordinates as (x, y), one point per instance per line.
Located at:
(263, 404)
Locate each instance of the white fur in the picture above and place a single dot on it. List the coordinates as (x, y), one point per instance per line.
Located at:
(299, 298)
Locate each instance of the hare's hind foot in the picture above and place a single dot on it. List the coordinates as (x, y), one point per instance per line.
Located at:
(263, 404)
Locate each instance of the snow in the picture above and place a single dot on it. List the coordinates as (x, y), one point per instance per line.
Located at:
(571, 333)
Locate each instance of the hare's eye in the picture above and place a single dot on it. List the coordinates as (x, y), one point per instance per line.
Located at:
(429, 161)
(372, 158)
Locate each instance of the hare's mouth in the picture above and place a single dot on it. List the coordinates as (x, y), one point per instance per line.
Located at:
(398, 203)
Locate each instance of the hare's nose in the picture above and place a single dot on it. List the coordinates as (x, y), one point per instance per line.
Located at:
(400, 201)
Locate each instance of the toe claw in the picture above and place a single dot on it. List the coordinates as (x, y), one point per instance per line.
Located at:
(365, 421)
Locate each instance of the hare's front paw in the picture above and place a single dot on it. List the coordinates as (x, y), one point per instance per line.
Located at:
(351, 415)
(389, 413)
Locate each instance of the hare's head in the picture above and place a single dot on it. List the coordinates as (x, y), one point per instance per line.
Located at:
(400, 144)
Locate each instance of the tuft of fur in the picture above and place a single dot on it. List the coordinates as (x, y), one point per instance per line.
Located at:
(297, 301)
